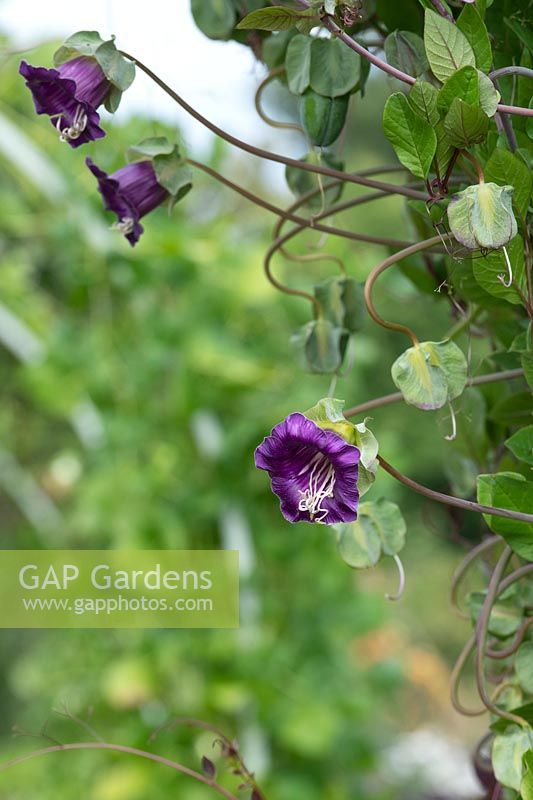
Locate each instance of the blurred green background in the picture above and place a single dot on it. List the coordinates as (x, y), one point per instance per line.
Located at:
(134, 387)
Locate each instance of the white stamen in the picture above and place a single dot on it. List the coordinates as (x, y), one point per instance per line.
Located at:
(321, 485)
(507, 283)
(124, 226)
(79, 123)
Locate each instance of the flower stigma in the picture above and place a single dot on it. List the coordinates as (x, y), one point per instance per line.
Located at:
(507, 283)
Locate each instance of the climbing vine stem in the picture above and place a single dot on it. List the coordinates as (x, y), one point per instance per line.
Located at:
(457, 502)
(389, 262)
(396, 397)
(211, 782)
(258, 102)
(320, 169)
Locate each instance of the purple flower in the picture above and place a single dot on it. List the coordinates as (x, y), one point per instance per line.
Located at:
(70, 96)
(131, 192)
(313, 471)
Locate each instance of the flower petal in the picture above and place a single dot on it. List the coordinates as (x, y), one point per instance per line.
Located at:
(299, 456)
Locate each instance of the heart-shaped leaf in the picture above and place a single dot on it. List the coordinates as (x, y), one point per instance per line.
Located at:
(334, 68)
(298, 63)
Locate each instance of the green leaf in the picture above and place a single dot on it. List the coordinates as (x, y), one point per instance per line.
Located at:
(112, 101)
(148, 148)
(276, 18)
(473, 27)
(514, 409)
(174, 174)
(503, 168)
(380, 528)
(524, 86)
(489, 96)
(215, 18)
(359, 546)
(521, 444)
(323, 118)
(413, 138)
(445, 148)
(423, 99)
(525, 711)
(447, 47)
(481, 216)
(524, 666)
(520, 30)
(275, 48)
(430, 374)
(368, 464)
(298, 63)
(489, 267)
(323, 347)
(119, 70)
(342, 302)
(463, 84)
(82, 43)
(507, 752)
(511, 491)
(354, 304)
(335, 68)
(527, 366)
(505, 616)
(465, 124)
(319, 344)
(387, 520)
(526, 787)
(405, 51)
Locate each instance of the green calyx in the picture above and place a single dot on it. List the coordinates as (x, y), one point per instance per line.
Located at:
(379, 530)
(482, 217)
(119, 71)
(327, 414)
(171, 168)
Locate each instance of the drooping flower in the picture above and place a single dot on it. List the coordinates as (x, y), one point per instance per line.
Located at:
(313, 471)
(70, 95)
(482, 216)
(130, 193)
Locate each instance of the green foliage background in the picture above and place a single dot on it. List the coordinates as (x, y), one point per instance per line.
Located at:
(181, 335)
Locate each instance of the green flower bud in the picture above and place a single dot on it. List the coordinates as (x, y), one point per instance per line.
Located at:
(323, 118)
